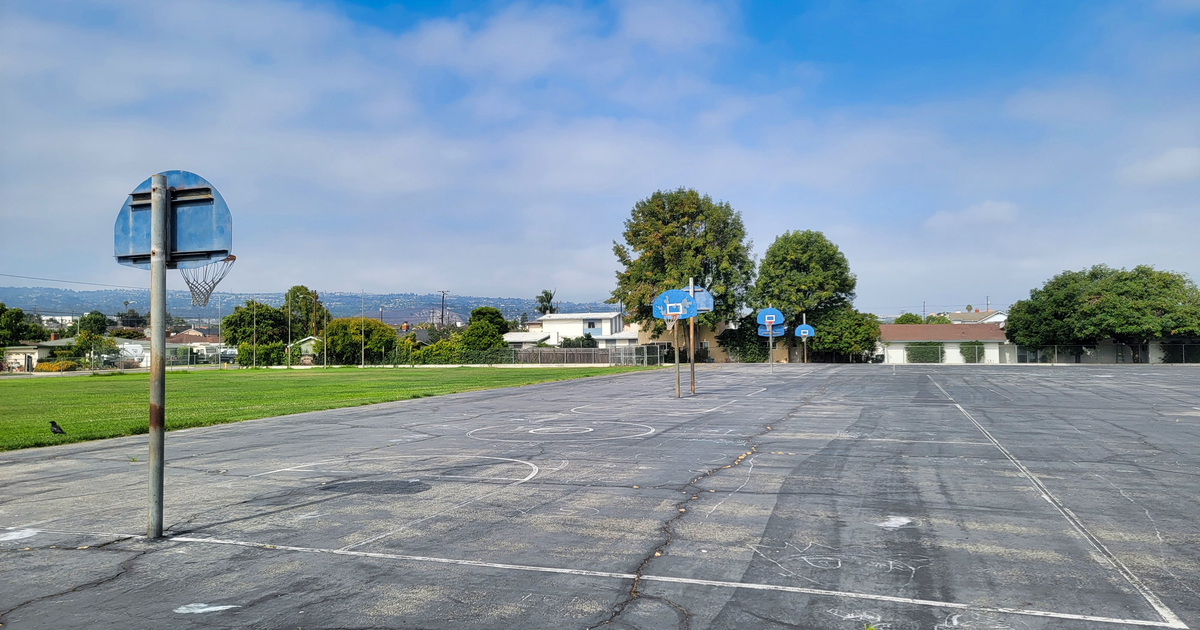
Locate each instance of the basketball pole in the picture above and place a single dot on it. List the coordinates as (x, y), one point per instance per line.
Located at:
(676, 329)
(159, 201)
(692, 336)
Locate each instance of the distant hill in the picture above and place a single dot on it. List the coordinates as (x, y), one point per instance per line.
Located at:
(397, 307)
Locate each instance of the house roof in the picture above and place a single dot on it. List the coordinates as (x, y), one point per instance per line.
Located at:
(941, 332)
(186, 338)
(525, 337)
(568, 316)
(970, 318)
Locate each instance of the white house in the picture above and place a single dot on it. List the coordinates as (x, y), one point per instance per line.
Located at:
(606, 328)
(978, 317)
(945, 343)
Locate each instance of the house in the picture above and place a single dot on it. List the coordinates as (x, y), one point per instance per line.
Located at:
(945, 343)
(706, 339)
(978, 317)
(307, 345)
(608, 329)
(520, 340)
(192, 336)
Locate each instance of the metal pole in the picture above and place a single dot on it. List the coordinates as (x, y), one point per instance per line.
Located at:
(676, 329)
(289, 346)
(804, 321)
(362, 333)
(771, 346)
(159, 200)
(692, 335)
(254, 340)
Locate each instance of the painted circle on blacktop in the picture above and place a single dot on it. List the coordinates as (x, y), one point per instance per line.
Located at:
(589, 431)
(561, 430)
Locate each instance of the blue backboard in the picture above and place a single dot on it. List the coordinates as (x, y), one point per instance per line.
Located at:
(775, 331)
(672, 302)
(805, 331)
(772, 314)
(199, 225)
(704, 300)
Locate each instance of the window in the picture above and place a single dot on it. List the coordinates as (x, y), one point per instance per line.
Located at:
(591, 324)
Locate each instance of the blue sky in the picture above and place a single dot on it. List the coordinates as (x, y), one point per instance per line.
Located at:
(956, 151)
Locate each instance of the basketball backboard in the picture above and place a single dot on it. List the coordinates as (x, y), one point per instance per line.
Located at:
(804, 331)
(770, 316)
(674, 303)
(199, 225)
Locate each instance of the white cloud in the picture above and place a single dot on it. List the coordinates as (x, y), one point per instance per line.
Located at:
(981, 214)
(1179, 164)
(1074, 105)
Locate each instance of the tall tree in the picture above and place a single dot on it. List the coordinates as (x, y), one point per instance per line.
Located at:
(481, 334)
(804, 273)
(15, 327)
(1132, 307)
(845, 333)
(489, 314)
(545, 302)
(675, 235)
(346, 340)
(95, 323)
(909, 318)
(308, 313)
(254, 321)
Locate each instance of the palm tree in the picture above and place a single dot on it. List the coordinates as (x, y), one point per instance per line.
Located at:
(545, 302)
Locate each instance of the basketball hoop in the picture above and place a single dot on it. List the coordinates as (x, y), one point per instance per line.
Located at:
(670, 320)
(202, 280)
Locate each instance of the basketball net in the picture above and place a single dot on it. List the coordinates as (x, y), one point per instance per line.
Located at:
(670, 320)
(202, 280)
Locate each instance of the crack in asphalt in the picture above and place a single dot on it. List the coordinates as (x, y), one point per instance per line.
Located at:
(123, 568)
(668, 527)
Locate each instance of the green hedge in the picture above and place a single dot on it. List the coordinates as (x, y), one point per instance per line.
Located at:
(971, 351)
(923, 351)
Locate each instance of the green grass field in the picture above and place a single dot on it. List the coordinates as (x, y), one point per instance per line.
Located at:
(96, 407)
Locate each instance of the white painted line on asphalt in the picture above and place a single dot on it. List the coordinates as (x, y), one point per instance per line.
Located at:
(692, 582)
(272, 472)
(757, 392)
(1171, 621)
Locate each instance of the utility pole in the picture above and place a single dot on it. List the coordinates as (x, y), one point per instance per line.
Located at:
(923, 309)
(443, 307)
(362, 334)
(289, 346)
(254, 303)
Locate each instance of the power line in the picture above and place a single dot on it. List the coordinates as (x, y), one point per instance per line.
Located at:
(95, 284)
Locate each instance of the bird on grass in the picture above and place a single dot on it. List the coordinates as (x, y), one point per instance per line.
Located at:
(54, 428)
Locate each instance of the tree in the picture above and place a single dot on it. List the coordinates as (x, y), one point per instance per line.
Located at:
(128, 333)
(909, 318)
(308, 313)
(482, 334)
(252, 322)
(88, 343)
(489, 314)
(970, 308)
(1133, 307)
(345, 338)
(846, 333)
(675, 235)
(742, 341)
(132, 319)
(586, 341)
(804, 273)
(15, 327)
(95, 323)
(545, 302)
(937, 319)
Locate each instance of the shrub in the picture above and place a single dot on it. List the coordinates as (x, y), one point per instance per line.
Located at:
(923, 352)
(971, 351)
(56, 366)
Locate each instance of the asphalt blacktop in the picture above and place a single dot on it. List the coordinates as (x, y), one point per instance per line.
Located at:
(818, 496)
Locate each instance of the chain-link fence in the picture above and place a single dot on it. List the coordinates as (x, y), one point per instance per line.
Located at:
(175, 357)
(624, 355)
(1099, 354)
